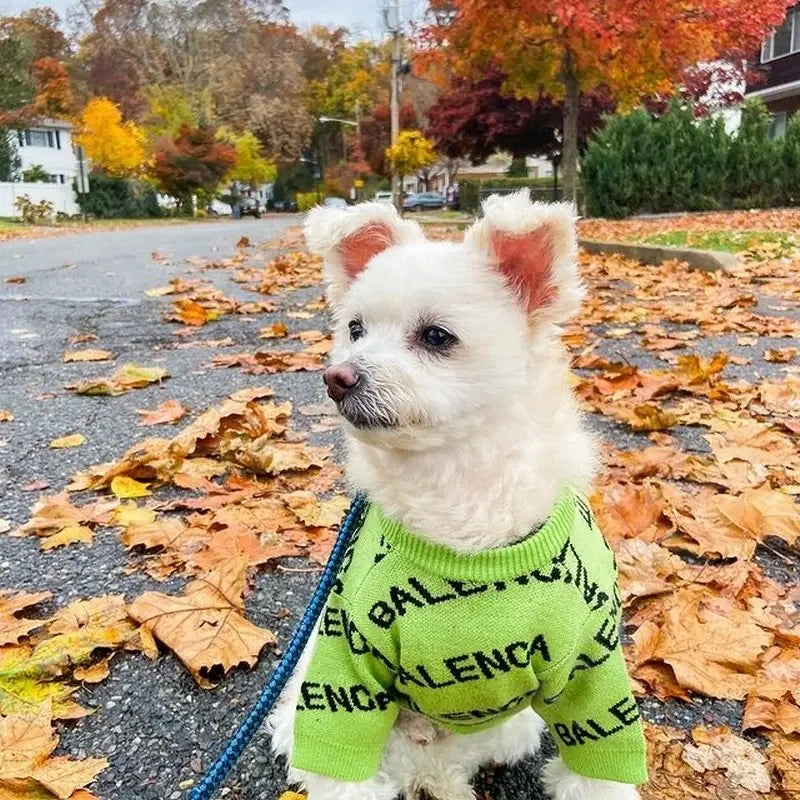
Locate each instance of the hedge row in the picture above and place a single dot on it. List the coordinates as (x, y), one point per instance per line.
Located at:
(640, 163)
(470, 192)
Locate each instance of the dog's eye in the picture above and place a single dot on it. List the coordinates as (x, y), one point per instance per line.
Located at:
(436, 337)
(356, 329)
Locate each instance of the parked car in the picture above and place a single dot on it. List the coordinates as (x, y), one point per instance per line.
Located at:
(217, 208)
(249, 207)
(335, 202)
(422, 200)
(285, 205)
(383, 197)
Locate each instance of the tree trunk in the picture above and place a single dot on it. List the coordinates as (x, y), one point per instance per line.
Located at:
(569, 153)
(555, 180)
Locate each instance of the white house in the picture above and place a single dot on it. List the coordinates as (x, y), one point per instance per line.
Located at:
(47, 144)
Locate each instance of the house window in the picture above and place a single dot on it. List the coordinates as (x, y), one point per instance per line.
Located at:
(40, 139)
(784, 40)
(777, 125)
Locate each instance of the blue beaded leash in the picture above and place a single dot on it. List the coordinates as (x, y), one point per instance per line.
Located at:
(208, 787)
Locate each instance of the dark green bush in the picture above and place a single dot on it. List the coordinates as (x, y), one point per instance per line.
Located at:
(119, 198)
(470, 191)
(644, 164)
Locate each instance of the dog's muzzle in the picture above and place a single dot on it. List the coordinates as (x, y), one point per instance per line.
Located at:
(357, 398)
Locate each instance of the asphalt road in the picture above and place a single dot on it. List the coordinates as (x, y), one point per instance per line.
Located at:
(152, 722)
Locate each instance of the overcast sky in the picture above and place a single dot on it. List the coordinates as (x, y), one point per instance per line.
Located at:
(361, 15)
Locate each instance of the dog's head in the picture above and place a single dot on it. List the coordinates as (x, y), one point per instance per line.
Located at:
(434, 338)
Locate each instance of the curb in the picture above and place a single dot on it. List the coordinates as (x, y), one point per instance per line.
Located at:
(706, 260)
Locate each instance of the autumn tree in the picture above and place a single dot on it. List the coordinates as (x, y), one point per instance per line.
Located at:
(411, 152)
(376, 135)
(194, 161)
(252, 167)
(563, 47)
(476, 118)
(118, 147)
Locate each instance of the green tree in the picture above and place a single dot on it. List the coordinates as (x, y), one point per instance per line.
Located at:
(754, 164)
(791, 162)
(10, 161)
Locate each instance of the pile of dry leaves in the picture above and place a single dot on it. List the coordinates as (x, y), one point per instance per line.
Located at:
(238, 488)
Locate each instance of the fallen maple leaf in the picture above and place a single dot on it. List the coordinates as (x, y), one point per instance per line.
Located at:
(763, 512)
(310, 510)
(719, 748)
(127, 488)
(168, 412)
(711, 649)
(87, 355)
(74, 440)
(72, 534)
(27, 741)
(125, 378)
(12, 627)
(6, 416)
(205, 628)
(275, 331)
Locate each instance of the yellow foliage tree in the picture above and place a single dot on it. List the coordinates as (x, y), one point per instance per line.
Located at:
(116, 146)
(251, 166)
(411, 152)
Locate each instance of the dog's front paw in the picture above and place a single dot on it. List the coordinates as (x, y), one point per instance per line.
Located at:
(561, 783)
(418, 729)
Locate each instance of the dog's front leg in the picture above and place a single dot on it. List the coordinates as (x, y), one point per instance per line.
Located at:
(561, 783)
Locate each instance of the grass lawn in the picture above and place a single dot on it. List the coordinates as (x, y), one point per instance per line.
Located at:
(777, 243)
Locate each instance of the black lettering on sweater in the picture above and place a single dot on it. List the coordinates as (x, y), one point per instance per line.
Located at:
(349, 699)
(578, 732)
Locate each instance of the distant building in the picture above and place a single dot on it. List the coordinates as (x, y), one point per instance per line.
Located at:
(779, 59)
(49, 144)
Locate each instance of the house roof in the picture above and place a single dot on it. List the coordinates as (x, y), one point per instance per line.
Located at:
(61, 124)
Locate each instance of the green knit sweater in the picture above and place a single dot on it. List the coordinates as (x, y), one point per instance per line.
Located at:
(468, 641)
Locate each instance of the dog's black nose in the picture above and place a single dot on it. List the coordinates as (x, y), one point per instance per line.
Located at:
(340, 379)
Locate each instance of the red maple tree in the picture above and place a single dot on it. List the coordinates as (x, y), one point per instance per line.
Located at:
(567, 46)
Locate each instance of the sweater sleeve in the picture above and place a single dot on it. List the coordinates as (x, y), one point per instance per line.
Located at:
(590, 710)
(346, 707)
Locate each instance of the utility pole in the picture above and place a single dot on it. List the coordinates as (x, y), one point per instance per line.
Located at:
(391, 17)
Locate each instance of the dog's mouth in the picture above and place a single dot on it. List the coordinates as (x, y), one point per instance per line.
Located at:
(367, 413)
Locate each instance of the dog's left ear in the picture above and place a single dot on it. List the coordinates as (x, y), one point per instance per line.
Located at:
(349, 239)
(534, 247)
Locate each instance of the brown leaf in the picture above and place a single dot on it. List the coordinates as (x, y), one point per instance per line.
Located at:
(719, 748)
(168, 412)
(205, 628)
(6, 416)
(12, 627)
(125, 378)
(74, 440)
(763, 512)
(713, 648)
(87, 355)
(72, 534)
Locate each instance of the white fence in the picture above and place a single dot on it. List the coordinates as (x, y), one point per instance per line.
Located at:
(59, 194)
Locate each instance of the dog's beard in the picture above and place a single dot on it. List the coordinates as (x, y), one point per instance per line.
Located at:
(368, 411)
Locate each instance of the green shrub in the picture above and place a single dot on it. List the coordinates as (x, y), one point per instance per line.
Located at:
(119, 198)
(754, 164)
(306, 200)
(640, 163)
(470, 192)
(36, 173)
(790, 192)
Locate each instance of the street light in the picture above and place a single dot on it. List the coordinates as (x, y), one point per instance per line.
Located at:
(352, 122)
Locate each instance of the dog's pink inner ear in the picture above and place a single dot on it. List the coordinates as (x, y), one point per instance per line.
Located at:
(526, 262)
(359, 247)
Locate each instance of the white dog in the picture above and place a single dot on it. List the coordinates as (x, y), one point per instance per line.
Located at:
(463, 433)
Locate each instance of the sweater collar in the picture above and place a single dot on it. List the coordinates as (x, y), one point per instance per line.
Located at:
(533, 552)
